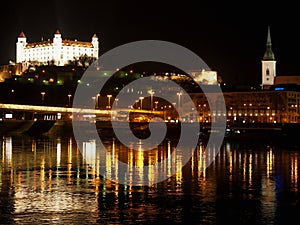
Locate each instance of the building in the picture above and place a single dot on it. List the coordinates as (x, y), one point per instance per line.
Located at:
(262, 106)
(287, 80)
(268, 65)
(57, 51)
(7, 71)
(205, 76)
(277, 102)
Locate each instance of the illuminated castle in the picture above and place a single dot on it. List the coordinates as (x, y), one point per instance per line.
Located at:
(58, 51)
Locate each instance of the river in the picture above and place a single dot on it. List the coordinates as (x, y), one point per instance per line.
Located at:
(48, 180)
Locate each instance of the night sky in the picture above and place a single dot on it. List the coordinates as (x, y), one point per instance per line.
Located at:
(229, 38)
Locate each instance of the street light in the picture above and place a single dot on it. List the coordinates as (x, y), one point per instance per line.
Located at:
(151, 94)
(97, 100)
(116, 102)
(156, 102)
(13, 95)
(43, 96)
(108, 96)
(136, 103)
(141, 98)
(94, 101)
(69, 96)
(179, 94)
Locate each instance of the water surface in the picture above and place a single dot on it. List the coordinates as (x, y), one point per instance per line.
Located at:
(48, 180)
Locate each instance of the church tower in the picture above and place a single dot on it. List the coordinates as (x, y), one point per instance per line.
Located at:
(268, 65)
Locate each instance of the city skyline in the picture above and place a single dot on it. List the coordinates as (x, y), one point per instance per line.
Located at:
(231, 41)
(112, 144)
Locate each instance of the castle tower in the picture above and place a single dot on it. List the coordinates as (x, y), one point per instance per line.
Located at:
(57, 44)
(95, 43)
(268, 65)
(20, 48)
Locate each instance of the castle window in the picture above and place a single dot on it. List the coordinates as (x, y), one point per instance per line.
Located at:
(268, 72)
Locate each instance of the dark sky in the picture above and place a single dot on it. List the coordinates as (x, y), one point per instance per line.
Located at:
(230, 38)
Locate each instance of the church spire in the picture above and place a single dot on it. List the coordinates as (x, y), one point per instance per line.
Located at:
(269, 55)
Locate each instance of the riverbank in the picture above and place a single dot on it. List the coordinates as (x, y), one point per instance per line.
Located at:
(273, 133)
(35, 128)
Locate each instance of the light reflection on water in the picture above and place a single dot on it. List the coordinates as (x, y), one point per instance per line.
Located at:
(49, 180)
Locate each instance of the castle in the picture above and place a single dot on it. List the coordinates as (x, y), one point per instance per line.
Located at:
(58, 51)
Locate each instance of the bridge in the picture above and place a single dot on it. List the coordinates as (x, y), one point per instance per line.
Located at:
(35, 112)
(18, 119)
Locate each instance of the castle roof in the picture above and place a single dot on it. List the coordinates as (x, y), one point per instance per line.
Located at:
(77, 43)
(39, 44)
(22, 35)
(64, 43)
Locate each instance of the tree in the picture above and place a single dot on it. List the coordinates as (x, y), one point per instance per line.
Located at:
(85, 60)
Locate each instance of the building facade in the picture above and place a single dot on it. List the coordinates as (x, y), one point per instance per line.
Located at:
(265, 106)
(57, 51)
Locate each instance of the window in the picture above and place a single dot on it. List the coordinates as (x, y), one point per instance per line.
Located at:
(267, 72)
